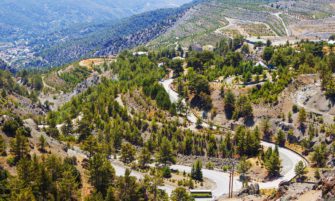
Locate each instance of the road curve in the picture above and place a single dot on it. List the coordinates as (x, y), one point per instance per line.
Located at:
(221, 180)
(289, 159)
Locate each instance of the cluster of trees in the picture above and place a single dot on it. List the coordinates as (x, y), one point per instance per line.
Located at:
(76, 75)
(36, 178)
(9, 85)
(327, 68)
(158, 93)
(199, 86)
(308, 57)
(227, 45)
(107, 186)
(247, 142)
(31, 78)
(272, 162)
(236, 108)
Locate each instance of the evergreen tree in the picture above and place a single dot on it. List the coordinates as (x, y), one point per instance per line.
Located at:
(273, 164)
(268, 53)
(90, 145)
(180, 194)
(84, 129)
(128, 153)
(165, 153)
(19, 147)
(243, 168)
(281, 138)
(229, 104)
(266, 129)
(302, 116)
(319, 156)
(67, 186)
(101, 173)
(128, 188)
(196, 172)
(300, 170)
(144, 157)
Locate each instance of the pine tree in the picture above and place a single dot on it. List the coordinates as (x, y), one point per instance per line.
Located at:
(302, 116)
(229, 104)
(300, 170)
(196, 172)
(91, 145)
(19, 147)
(319, 157)
(180, 194)
(67, 186)
(144, 157)
(101, 173)
(273, 164)
(128, 188)
(128, 153)
(281, 138)
(317, 174)
(243, 168)
(165, 153)
(266, 129)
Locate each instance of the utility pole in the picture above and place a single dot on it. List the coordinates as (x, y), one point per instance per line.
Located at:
(231, 181)
(229, 184)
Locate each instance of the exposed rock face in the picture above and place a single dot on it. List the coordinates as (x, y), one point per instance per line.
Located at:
(327, 185)
(252, 189)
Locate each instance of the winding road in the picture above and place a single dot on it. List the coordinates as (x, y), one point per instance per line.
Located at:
(283, 23)
(289, 158)
(221, 179)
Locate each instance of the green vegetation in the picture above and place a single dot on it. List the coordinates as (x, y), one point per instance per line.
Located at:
(7, 82)
(196, 172)
(37, 179)
(201, 195)
(300, 170)
(180, 194)
(75, 76)
(272, 162)
(319, 156)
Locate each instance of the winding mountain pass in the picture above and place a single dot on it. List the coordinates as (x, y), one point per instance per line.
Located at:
(289, 158)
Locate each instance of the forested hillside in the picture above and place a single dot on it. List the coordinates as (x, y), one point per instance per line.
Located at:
(202, 101)
(36, 16)
(109, 39)
(31, 30)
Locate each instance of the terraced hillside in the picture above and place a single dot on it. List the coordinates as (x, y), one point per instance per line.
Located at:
(279, 21)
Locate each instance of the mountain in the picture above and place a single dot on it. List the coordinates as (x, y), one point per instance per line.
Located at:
(279, 21)
(28, 28)
(48, 15)
(109, 38)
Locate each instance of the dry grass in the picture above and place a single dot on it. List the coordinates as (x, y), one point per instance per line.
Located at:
(173, 181)
(257, 172)
(257, 29)
(268, 192)
(90, 63)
